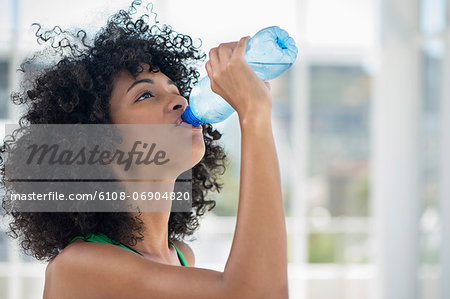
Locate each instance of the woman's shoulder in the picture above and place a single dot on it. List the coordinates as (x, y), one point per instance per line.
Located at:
(73, 270)
(79, 252)
(77, 267)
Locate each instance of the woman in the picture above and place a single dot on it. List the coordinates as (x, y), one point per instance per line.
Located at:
(95, 85)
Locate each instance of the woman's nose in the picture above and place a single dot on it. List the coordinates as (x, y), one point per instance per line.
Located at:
(177, 102)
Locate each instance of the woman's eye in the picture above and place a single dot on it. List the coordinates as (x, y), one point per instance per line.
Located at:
(144, 95)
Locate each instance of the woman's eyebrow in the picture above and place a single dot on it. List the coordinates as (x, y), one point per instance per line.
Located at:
(140, 81)
(170, 82)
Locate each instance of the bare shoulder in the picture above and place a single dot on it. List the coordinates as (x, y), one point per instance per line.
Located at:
(77, 270)
(186, 251)
(99, 270)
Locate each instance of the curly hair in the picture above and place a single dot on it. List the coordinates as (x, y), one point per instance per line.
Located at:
(75, 89)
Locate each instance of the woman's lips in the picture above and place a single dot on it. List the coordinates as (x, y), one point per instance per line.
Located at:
(182, 123)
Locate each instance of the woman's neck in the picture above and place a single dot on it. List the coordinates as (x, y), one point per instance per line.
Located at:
(155, 216)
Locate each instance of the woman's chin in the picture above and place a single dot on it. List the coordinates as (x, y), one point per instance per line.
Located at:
(198, 150)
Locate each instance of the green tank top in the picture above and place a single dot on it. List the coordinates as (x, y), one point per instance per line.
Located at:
(102, 238)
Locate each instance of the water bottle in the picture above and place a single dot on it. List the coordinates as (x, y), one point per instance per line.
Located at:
(270, 52)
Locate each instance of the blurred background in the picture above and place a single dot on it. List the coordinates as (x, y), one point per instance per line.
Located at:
(359, 123)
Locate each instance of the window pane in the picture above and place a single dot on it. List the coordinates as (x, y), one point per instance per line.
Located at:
(430, 131)
(338, 248)
(339, 147)
(432, 16)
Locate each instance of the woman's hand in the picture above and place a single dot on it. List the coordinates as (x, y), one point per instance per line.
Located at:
(235, 81)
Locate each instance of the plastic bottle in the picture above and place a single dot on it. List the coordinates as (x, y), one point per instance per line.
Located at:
(270, 52)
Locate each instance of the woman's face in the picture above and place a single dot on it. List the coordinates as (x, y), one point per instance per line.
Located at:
(151, 99)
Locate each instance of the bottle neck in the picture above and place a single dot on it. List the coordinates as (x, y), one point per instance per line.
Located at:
(190, 118)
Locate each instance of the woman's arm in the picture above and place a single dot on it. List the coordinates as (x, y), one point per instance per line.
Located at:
(258, 257)
(257, 265)
(258, 254)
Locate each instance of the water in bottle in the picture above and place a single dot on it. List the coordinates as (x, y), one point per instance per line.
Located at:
(270, 52)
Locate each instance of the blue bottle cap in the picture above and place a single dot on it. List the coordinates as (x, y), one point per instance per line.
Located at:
(281, 42)
(190, 118)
